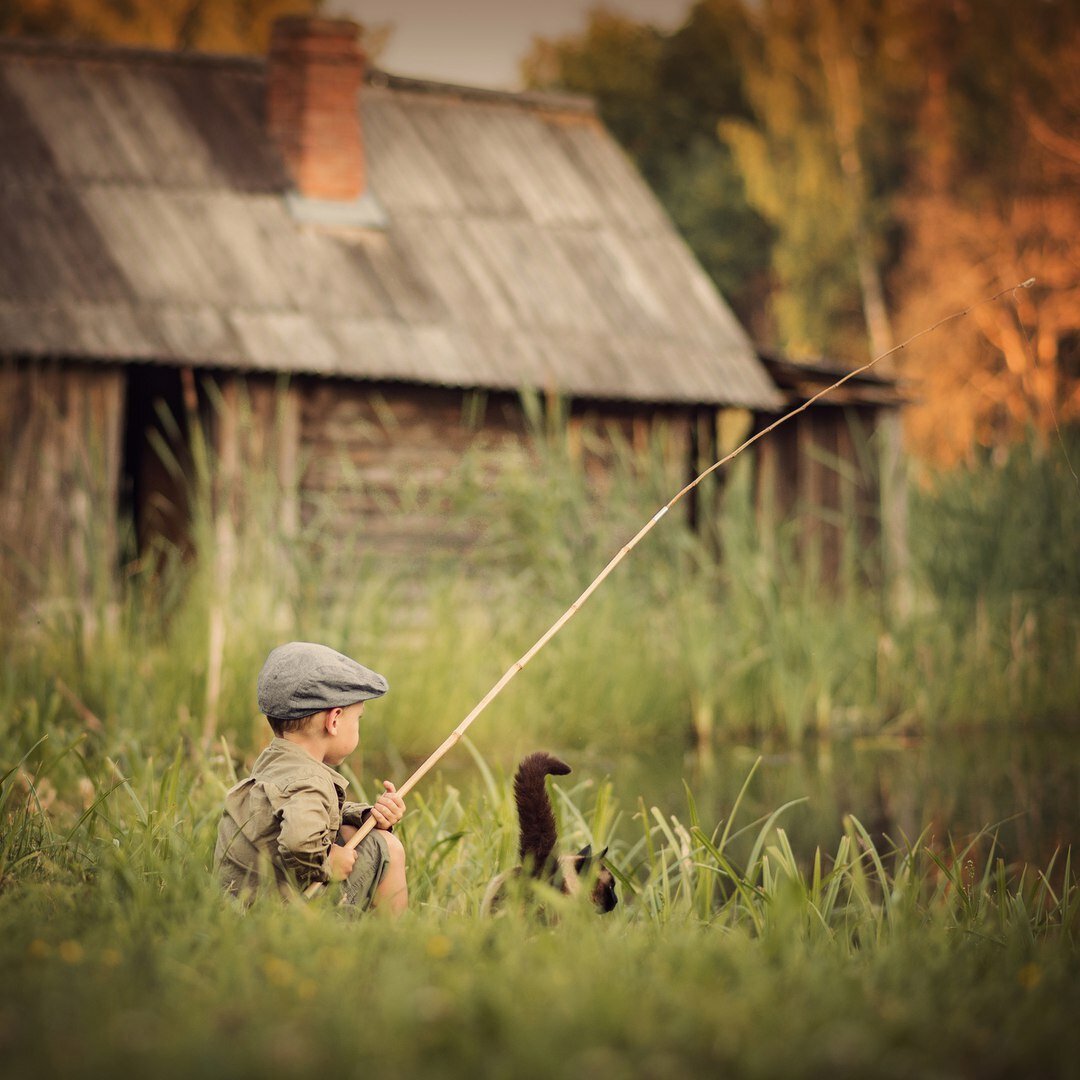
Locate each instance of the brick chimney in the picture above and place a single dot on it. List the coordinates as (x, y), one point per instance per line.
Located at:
(312, 105)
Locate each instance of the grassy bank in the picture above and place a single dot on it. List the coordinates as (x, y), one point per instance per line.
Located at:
(729, 952)
(122, 722)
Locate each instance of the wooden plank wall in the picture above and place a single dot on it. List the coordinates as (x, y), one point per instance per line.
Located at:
(256, 425)
(60, 458)
(375, 461)
(366, 462)
(810, 470)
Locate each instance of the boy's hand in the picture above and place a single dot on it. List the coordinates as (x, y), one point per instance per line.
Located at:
(389, 807)
(341, 862)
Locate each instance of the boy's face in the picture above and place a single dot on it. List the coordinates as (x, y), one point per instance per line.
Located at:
(345, 739)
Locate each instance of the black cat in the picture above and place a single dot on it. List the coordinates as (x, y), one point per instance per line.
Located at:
(536, 845)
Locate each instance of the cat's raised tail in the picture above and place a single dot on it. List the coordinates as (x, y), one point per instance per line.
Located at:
(537, 819)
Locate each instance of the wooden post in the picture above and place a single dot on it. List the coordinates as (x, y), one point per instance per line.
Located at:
(224, 493)
(894, 513)
(288, 425)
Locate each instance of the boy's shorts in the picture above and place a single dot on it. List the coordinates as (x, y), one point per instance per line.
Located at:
(372, 859)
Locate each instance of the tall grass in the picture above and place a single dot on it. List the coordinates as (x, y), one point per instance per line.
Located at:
(729, 951)
(676, 642)
(1003, 526)
(994, 544)
(734, 949)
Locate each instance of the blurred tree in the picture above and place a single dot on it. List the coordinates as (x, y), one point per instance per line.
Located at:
(704, 194)
(821, 154)
(994, 200)
(750, 122)
(616, 61)
(235, 26)
(698, 178)
(789, 166)
(661, 96)
(880, 162)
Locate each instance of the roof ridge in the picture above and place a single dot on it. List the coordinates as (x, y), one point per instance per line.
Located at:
(142, 54)
(100, 50)
(540, 99)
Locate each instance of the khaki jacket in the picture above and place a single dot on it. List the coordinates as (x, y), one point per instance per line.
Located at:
(285, 814)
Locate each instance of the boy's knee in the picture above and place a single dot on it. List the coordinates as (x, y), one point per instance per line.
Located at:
(394, 849)
(392, 894)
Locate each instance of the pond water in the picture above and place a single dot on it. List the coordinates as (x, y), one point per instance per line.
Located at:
(1023, 785)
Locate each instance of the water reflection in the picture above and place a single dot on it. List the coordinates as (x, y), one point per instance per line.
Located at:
(1024, 785)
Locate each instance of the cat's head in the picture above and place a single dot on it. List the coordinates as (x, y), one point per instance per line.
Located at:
(603, 892)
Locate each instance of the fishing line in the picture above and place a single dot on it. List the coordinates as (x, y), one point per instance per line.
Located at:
(454, 737)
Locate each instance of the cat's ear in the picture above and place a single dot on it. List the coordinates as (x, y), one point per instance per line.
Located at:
(601, 854)
(583, 858)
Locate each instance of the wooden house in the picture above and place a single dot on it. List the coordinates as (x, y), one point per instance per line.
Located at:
(376, 265)
(825, 470)
(346, 276)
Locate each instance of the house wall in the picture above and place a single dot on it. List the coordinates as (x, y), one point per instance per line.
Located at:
(358, 464)
(255, 426)
(373, 465)
(375, 460)
(60, 455)
(818, 471)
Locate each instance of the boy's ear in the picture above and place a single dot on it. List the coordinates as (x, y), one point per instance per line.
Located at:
(330, 720)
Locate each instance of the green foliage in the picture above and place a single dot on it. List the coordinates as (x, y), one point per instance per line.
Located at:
(993, 544)
(615, 60)
(120, 953)
(705, 195)
(1004, 525)
(787, 158)
(676, 643)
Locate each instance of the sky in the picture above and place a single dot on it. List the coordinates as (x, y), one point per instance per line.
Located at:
(480, 42)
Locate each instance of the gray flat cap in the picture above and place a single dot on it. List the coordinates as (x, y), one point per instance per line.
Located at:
(302, 678)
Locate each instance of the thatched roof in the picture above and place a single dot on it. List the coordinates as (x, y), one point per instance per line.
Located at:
(143, 218)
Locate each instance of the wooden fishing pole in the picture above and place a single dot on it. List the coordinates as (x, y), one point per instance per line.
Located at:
(455, 736)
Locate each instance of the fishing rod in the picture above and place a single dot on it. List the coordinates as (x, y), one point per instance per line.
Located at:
(455, 736)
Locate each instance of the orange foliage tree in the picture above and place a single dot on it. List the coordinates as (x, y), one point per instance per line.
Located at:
(882, 164)
(981, 217)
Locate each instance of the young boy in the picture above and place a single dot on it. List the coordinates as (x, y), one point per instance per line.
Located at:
(290, 813)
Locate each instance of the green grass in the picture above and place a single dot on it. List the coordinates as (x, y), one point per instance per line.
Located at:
(675, 642)
(729, 951)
